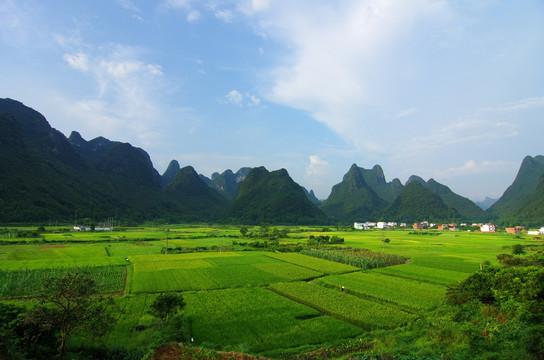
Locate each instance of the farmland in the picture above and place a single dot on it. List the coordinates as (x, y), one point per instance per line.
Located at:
(261, 302)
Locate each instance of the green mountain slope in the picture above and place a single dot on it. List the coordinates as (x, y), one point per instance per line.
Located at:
(170, 172)
(91, 151)
(532, 212)
(311, 195)
(197, 201)
(465, 207)
(522, 188)
(375, 179)
(228, 183)
(353, 199)
(418, 203)
(275, 198)
(43, 177)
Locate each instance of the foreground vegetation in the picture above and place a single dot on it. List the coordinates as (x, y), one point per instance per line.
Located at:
(275, 292)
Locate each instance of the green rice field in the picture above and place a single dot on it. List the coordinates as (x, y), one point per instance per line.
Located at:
(253, 301)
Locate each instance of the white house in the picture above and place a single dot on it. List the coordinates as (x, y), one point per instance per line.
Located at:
(533, 232)
(381, 225)
(487, 228)
(359, 226)
(542, 231)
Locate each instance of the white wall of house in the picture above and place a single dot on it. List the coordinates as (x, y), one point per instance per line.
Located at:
(487, 228)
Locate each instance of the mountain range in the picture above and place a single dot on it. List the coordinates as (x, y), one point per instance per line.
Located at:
(46, 176)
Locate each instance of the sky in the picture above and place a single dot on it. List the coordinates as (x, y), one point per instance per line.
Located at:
(450, 90)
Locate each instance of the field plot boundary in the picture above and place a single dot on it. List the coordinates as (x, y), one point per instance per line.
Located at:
(314, 263)
(363, 288)
(366, 314)
(28, 283)
(261, 320)
(438, 280)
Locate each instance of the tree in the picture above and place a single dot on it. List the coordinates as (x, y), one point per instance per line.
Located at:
(517, 249)
(166, 304)
(243, 231)
(68, 305)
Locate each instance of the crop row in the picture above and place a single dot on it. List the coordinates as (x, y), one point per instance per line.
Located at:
(288, 271)
(30, 283)
(258, 320)
(425, 274)
(465, 265)
(365, 313)
(215, 277)
(361, 258)
(321, 265)
(403, 292)
(188, 273)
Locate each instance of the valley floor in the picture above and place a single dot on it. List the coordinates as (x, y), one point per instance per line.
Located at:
(271, 304)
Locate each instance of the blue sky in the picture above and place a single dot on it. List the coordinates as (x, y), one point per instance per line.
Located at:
(452, 90)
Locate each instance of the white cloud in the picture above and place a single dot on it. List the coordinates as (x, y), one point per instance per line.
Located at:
(193, 15)
(78, 61)
(175, 4)
(474, 167)
(336, 69)
(317, 166)
(254, 100)
(126, 104)
(525, 104)
(21, 25)
(225, 15)
(467, 131)
(128, 4)
(250, 7)
(237, 98)
(393, 77)
(234, 97)
(404, 113)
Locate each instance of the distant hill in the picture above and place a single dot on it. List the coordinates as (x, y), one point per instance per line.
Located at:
(418, 203)
(275, 198)
(375, 179)
(521, 190)
(45, 176)
(199, 201)
(415, 178)
(353, 199)
(169, 173)
(228, 183)
(310, 194)
(486, 203)
(465, 207)
(364, 194)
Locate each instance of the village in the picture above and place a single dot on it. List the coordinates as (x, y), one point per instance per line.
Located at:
(479, 227)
